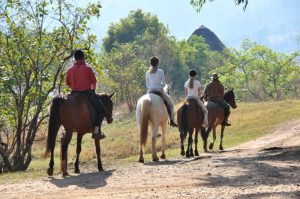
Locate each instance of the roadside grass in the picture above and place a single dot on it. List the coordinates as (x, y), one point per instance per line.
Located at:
(249, 121)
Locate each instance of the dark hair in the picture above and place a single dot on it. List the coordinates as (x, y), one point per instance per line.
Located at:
(154, 61)
(78, 55)
(192, 73)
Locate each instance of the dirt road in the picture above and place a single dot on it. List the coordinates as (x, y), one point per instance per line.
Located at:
(268, 167)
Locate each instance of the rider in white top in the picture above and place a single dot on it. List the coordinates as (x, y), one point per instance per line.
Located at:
(193, 90)
(155, 81)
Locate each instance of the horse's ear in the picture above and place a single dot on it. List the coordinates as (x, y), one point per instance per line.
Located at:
(110, 96)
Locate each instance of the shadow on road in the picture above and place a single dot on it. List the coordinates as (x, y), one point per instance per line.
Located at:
(92, 180)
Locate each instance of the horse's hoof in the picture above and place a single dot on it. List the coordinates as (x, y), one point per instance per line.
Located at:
(211, 146)
(196, 153)
(187, 155)
(141, 160)
(205, 150)
(163, 156)
(182, 153)
(65, 174)
(77, 171)
(221, 148)
(50, 172)
(155, 159)
(100, 169)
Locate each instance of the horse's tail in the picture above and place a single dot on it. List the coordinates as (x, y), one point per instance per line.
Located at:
(145, 112)
(54, 124)
(183, 128)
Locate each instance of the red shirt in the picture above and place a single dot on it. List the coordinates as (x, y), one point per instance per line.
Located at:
(81, 77)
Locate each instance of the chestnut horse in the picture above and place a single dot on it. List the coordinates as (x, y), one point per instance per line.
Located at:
(76, 115)
(151, 108)
(189, 119)
(216, 117)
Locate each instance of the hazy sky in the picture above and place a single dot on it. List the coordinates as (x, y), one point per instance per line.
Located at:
(275, 23)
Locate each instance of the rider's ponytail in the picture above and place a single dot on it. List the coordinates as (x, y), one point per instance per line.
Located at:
(191, 82)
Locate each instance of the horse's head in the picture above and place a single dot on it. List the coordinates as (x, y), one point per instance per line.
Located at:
(229, 97)
(167, 88)
(107, 102)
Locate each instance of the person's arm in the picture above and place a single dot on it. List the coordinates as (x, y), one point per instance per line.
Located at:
(68, 79)
(163, 79)
(92, 78)
(147, 81)
(199, 92)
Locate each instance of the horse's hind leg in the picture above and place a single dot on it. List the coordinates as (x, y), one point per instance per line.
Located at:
(98, 152)
(204, 135)
(189, 151)
(65, 140)
(211, 145)
(163, 147)
(221, 140)
(196, 142)
(154, 153)
(78, 150)
(51, 163)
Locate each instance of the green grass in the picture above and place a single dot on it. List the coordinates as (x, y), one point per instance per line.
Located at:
(250, 121)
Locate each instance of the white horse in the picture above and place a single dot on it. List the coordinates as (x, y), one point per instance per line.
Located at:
(151, 108)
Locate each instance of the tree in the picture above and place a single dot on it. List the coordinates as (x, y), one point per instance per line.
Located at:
(37, 39)
(199, 3)
(132, 28)
(124, 73)
(262, 72)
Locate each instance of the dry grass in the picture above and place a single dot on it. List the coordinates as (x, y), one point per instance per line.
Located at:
(250, 120)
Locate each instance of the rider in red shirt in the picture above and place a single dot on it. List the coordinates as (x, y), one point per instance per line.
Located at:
(81, 79)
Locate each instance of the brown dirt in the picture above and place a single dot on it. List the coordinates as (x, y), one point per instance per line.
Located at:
(264, 168)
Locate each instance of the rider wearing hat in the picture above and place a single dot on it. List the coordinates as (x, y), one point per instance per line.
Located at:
(214, 91)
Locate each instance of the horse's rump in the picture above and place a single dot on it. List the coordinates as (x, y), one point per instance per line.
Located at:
(189, 116)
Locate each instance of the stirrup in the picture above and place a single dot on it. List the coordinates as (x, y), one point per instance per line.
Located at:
(99, 135)
(173, 124)
(226, 123)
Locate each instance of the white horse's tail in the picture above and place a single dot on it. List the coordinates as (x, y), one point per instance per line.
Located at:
(145, 112)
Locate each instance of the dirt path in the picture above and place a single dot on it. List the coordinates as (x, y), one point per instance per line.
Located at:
(268, 167)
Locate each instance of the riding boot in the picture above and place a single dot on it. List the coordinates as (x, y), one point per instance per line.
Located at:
(226, 122)
(98, 134)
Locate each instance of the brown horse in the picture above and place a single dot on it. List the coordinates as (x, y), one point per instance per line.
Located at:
(216, 116)
(189, 119)
(76, 115)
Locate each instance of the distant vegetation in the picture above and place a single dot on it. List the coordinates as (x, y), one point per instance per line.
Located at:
(35, 53)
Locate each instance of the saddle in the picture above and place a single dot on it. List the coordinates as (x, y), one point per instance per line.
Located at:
(165, 102)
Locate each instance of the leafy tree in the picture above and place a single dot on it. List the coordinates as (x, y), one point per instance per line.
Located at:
(262, 72)
(132, 28)
(37, 39)
(199, 3)
(124, 73)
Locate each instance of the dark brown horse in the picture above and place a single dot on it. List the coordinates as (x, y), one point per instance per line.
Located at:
(189, 119)
(216, 117)
(76, 115)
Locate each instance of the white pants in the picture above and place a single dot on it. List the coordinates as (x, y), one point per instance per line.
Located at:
(204, 109)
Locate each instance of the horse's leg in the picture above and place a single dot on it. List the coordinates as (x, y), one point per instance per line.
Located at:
(163, 147)
(65, 140)
(78, 150)
(98, 152)
(182, 146)
(51, 163)
(196, 142)
(189, 151)
(211, 145)
(154, 132)
(221, 140)
(205, 135)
